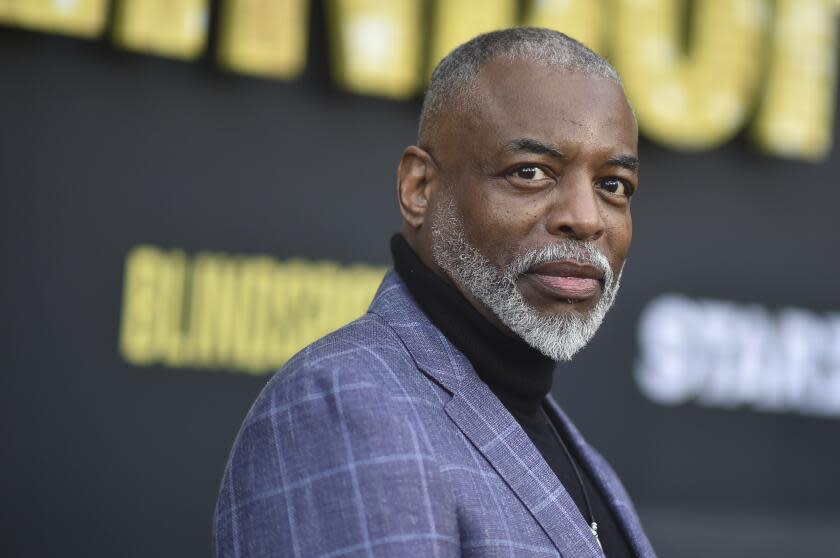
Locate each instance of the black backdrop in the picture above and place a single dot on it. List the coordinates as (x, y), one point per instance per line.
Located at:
(103, 150)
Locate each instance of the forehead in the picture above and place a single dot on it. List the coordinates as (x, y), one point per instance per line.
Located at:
(572, 110)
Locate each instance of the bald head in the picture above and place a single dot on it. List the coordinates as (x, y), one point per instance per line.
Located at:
(454, 83)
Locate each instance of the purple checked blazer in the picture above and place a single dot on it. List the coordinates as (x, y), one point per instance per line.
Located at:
(381, 440)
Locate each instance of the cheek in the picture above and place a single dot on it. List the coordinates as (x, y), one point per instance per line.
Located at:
(493, 223)
(619, 233)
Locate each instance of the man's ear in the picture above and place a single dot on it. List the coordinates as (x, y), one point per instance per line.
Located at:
(415, 184)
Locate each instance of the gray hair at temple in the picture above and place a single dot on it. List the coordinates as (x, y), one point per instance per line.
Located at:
(454, 80)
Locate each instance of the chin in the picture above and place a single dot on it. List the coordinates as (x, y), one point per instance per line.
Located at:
(554, 306)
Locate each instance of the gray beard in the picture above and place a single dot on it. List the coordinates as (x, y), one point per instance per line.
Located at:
(557, 336)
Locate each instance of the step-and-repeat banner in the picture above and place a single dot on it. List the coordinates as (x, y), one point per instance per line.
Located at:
(195, 190)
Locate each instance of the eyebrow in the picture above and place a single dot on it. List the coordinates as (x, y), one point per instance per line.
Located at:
(626, 161)
(533, 146)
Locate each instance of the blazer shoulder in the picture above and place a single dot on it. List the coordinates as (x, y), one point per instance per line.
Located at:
(361, 373)
(334, 425)
(365, 350)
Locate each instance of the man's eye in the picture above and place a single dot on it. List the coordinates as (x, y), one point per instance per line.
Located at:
(530, 173)
(615, 186)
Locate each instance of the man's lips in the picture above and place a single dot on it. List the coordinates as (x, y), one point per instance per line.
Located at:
(568, 279)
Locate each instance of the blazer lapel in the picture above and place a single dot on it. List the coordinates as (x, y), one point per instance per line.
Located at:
(484, 420)
(496, 434)
(607, 482)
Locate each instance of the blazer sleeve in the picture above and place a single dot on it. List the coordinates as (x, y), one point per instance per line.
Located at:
(328, 464)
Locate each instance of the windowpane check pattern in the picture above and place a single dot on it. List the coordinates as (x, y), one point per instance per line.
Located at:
(381, 440)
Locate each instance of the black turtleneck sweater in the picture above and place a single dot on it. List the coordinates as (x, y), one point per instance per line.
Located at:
(519, 375)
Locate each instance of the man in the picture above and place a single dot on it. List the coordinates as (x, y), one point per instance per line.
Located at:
(426, 427)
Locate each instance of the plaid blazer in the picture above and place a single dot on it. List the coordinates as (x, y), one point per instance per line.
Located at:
(381, 440)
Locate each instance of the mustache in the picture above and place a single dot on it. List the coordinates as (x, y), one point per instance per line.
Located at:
(583, 252)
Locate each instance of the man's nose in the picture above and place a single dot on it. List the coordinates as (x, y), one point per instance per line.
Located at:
(575, 211)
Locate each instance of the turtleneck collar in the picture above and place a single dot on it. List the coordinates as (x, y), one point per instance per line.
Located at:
(518, 374)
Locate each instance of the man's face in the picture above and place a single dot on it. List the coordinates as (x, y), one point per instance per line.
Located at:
(535, 204)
